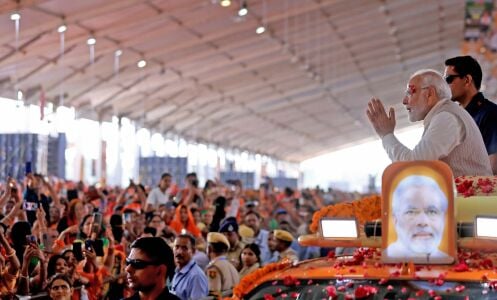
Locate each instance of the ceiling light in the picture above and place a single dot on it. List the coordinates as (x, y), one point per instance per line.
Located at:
(142, 63)
(225, 3)
(260, 30)
(62, 28)
(15, 16)
(19, 95)
(118, 53)
(243, 11)
(91, 41)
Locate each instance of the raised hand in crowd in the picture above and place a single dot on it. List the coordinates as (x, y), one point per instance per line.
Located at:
(33, 272)
(10, 265)
(6, 193)
(52, 193)
(16, 211)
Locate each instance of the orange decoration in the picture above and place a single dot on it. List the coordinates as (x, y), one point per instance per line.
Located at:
(245, 284)
(365, 209)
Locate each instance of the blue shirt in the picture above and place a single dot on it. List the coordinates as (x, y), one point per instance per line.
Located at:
(484, 112)
(261, 241)
(190, 282)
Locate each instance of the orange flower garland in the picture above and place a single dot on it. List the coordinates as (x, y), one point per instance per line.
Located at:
(365, 209)
(241, 289)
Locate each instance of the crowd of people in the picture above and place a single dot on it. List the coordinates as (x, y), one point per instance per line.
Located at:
(65, 240)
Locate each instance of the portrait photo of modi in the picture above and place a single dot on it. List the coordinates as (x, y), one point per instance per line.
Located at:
(418, 215)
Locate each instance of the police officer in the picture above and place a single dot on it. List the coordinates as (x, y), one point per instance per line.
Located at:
(221, 274)
(283, 240)
(229, 228)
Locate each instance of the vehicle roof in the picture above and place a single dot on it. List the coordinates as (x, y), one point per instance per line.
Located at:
(366, 264)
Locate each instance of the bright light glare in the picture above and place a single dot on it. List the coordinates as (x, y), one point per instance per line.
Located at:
(243, 12)
(485, 227)
(62, 28)
(260, 30)
(118, 53)
(142, 63)
(225, 3)
(91, 41)
(19, 95)
(339, 228)
(15, 16)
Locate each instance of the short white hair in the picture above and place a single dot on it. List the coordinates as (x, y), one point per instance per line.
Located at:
(430, 77)
(417, 181)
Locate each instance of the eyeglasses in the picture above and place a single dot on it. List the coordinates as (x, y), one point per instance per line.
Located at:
(138, 264)
(450, 78)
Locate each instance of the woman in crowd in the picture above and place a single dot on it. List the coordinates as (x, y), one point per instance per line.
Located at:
(250, 258)
(60, 287)
(219, 213)
(74, 216)
(155, 221)
(57, 264)
(183, 220)
(9, 268)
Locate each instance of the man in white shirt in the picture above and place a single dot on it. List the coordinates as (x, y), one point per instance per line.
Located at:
(450, 134)
(160, 194)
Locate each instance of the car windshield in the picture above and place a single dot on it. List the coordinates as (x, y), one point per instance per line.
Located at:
(370, 289)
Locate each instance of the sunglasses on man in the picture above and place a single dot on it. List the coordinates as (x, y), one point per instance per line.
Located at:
(450, 78)
(138, 264)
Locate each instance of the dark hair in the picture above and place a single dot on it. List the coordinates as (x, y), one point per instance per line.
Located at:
(150, 230)
(255, 249)
(18, 234)
(193, 210)
(52, 262)
(209, 184)
(59, 276)
(167, 234)
(192, 174)
(157, 250)
(189, 237)
(164, 175)
(466, 65)
(116, 224)
(67, 251)
(151, 216)
(116, 220)
(219, 248)
(81, 232)
(288, 191)
(253, 212)
(219, 213)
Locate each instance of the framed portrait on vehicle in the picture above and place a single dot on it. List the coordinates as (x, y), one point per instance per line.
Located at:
(418, 213)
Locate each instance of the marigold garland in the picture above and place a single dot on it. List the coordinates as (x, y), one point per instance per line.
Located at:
(365, 209)
(247, 281)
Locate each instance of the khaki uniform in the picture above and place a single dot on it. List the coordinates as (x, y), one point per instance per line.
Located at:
(221, 275)
(290, 254)
(233, 255)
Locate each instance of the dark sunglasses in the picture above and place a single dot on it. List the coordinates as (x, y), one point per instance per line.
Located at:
(450, 78)
(140, 264)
